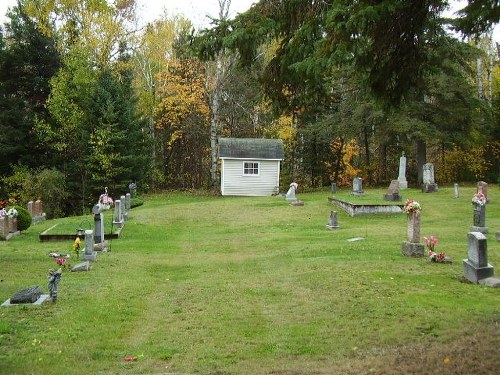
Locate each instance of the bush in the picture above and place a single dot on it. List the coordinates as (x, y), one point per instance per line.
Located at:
(23, 218)
(136, 202)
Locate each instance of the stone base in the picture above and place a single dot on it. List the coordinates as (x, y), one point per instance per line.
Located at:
(492, 282)
(403, 185)
(392, 197)
(483, 230)
(358, 193)
(411, 249)
(85, 266)
(10, 235)
(39, 301)
(297, 203)
(101, 246)
(430, 188)
(474, 274)
(119, 224)
(90, 257)
(331, 227)
(497, 236)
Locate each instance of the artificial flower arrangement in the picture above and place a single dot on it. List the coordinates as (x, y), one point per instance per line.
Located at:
(430, 243)
(3, 212)
(479, 198)
(12, 212)
(77, 246)
(411, 206)
(105, 200)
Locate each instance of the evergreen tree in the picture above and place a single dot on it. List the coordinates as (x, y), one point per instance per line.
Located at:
(28, 60)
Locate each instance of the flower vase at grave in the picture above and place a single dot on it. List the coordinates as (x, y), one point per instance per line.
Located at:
(412, 247)
(479, 218)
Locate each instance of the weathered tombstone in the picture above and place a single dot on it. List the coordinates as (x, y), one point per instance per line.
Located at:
(334, 188)
(54, 279)
(98, 224)
(118, 216)
(332, 221)
(357, 186)
(457, 190)
(497, 236)
(84, 266)
(412, 247)
(30, 208)
(38, 208)
(393, 192)
(290, 195)
(476, 265)
(4, 226)
(89, 253)
(479, 218)
(132, 188)
(403, 184)
(28, 295)
(482, 187)
(123, 209)
(12, 224)
(127, 202)
(429, 186)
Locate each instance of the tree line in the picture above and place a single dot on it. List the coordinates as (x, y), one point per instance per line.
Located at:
(91, 98)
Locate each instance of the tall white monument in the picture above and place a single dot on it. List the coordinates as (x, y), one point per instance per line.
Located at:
(403, 184)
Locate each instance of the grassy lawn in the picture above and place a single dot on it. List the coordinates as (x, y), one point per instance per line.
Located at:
(237, 285)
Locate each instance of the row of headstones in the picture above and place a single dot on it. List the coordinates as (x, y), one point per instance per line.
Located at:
(35, 209)
(476, 266)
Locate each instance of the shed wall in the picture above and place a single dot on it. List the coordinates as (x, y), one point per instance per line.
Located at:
(233, 182)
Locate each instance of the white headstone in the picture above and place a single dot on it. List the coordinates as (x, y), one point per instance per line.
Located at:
(403, 184)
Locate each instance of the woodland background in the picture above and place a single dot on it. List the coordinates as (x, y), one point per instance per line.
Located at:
(88, 98)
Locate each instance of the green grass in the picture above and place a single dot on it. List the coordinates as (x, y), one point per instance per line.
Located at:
(237, 285)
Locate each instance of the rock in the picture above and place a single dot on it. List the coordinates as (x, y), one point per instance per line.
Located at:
(85, 266)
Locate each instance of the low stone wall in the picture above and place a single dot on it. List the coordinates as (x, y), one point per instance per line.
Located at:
(367, 209)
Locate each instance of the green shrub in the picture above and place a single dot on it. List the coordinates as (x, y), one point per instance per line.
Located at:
(23, 218)
(136, 202)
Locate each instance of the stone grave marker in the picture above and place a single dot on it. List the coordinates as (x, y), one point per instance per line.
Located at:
(412, 247)
(476, 266)
(332, 221)
(457, 190)
(128, 202)
(98, 224)
(89, 253)
(123, 208)
(429, 185)
(479, 218)
(357, 186)
(393, 192)
(4, 226)
(31, 208)
(334, 188)
(118, 216)
(403, 184)
(84, 266)
(290, 195)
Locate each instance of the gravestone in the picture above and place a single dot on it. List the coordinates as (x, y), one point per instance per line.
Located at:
(118, 216)
(98, 224)
(479, 218)
(84, 266)
(429, 185)
(89, 253)
(393, 192)
(30, 208)
(132, 188)
(123, 209)
(357, 186)
(4, 226)
(457, 190)
(128, 202)
(412, 247)
(334, 188)
(12, 224)
(476, 265)
(497, 236)
(403, 184)
(290, 195)
(38, 208)
(482, 187)
(332, 221)
(28, 295)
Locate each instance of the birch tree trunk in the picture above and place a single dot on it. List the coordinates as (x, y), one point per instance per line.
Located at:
(214, 124)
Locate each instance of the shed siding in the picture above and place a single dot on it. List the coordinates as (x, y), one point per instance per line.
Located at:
(235, 183)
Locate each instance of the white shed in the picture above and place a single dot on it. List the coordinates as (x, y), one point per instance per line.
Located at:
(250, 166)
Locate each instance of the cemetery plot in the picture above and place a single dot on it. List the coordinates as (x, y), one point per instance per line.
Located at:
(68, 228)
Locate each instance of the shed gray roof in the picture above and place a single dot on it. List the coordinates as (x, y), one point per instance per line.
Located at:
(251, 148)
